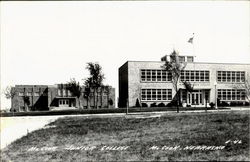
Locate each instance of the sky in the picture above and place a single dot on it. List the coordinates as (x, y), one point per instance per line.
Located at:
(50, 42)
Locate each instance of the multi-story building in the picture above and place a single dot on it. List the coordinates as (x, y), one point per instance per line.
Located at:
(149, 83)
(49, 97)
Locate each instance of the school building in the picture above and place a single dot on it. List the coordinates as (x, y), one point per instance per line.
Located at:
(149, 83)
(59, 97)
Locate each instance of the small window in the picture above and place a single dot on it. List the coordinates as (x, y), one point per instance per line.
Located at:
(36, 94)
(21, 94)
(181, 58)
(190, 59)
(59, 92)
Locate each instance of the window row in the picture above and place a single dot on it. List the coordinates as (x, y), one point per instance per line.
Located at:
(156, 94)
(230, 76)
(231, 94)
(63, 92)
(195, 76)
(149, 75)
(31, 94)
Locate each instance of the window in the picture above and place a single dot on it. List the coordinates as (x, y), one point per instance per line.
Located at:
(143, 75)
(231, 94)
(231, 76)
(181, 58)
(164, 75)
(153, 75)
(29, 94)
(195, 76)
(64, 92)
(192, 76)
(21, 94)
(59, 92)
(69, 93)
(148, 75)
(36, 93)
(156, 94)
(159, 75)
(190, 59)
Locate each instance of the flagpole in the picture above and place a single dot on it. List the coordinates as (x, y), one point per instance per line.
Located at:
(193, 46)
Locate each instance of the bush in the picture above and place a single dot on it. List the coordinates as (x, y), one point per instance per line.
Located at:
(223, 104)
(235, 103)
(169, 104)
(110, 102)
(144, 105)
(153, 105)
(161, 105)
(211, 104)
(137, 104)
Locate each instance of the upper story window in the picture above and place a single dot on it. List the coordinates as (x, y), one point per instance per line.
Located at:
(64, 92)
(59, 92)
(195, 76)
(182, 58)
(36, 93)
(149, 75)
(190, 59)
(29, 94)
(69, 93)
(21, 94)
(231, 76)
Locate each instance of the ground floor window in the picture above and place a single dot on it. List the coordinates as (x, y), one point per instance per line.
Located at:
(156, 94)
(231, 94)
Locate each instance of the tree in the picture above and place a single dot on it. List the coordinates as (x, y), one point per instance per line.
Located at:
(87, 91)
(174, 66)
(75, 88)
(246, 86)
(107, 91)
(10, 93)
(95, 80)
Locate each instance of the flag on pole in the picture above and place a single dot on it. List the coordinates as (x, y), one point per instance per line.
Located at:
(191, 39)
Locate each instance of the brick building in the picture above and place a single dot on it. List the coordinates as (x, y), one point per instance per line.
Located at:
(147, 82)
(49, 97)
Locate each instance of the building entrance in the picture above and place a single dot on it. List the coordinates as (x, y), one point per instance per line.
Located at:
(195, 98)
(63, 103)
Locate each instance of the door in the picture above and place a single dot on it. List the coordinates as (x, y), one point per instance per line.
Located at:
(195, 98)
(63, 103)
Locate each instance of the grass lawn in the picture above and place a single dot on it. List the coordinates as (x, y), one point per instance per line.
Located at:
(183, 136)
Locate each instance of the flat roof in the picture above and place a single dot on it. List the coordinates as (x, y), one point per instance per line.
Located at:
(197, 62)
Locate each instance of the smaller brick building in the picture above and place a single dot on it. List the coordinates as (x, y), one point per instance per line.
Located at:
(49, 97)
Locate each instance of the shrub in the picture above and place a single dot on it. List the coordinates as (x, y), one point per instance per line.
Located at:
(161, 105)
(235, 103)
(211, 104)
(144, 105)
(169, 104)
(153, 105)
(223, 104)
(137, 104)
(110, 102)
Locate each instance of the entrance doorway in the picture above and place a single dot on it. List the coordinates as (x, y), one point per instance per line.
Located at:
(63, 103)
(195, 98)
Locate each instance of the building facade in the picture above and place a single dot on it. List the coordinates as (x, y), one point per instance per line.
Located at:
(148, 83)
(56, 97)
